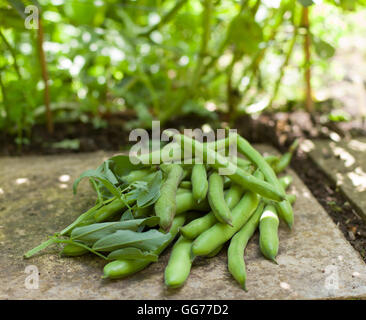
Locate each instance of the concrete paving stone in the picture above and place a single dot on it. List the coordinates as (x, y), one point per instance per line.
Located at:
(314, 262)
(344, 162)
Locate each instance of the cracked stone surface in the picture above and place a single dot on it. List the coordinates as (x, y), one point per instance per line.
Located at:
(344, 163)
(314, 262)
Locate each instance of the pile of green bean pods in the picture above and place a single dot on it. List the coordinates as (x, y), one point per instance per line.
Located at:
(142, 209)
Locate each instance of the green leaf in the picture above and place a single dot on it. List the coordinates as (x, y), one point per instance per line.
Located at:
(19, 7)
(149, 240)
(106, 169)
(92, 233)
(245, 33)
(10, 19)
(306, 3)
(339, 116)
(132, 254)
(121, 165)
(348, 5)
(323, 49)
(99, 176)
(152, 192)
(85, 12)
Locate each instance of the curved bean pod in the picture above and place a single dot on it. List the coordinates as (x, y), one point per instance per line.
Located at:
(216, 199)
(236, 262)
(193, 229)
(219, 233)
(185, 202)
(268, 233)
(179, 265)
(238, 175)
(199, 182)
(165, 206)
(284, 206)
(73, 250)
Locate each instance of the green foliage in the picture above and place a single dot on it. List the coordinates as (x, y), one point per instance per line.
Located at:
(110, 56)
(306, 3)
(323, 49)
(339, 115)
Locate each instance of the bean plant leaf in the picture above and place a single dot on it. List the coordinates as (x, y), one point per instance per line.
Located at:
(10, 19)
(152, 192)
(96, 174)
(323, 49)
(306, 3)
(127, 215)
(105, 168)
(149, 240)
(92, 233)
(245, 33)
(132, 254)
(19, 7)
(121, 165)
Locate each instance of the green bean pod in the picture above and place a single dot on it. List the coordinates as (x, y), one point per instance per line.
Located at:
(172, 152)
(215, 252)
(236, 262)
(285, 159)
(243, 163)
(165, 206)
(110, 209)
(268, 233)
(285, 181)
(185, 202)
(123, 268)
(179, 265)
(291, 198)
(199, 182)
(237, 175)
(136, 175)
(272, 160)
(186, 185)
(193, 229)
(219, 233)
(284, 207)
(283, 162)
(182, 190)
(73, 250)
(216, 199)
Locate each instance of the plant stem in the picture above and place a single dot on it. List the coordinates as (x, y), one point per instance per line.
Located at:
(223, 44)
(42, 58)
(283, 67)
(256, 7)
(206, 26)
(40, 247)
(5, 100)
(308, 90)
(13, 54)
(70, 241)
(192, 85)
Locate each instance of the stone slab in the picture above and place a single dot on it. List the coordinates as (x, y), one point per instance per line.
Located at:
(344, 162)
(314, 261)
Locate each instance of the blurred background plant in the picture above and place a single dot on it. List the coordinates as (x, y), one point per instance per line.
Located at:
(89, 60)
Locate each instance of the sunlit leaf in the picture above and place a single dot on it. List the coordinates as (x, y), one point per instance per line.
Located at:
(149, 240)
(323, 49)
(132, 254)
(91, 233)
(306, 3)
(245, 33)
